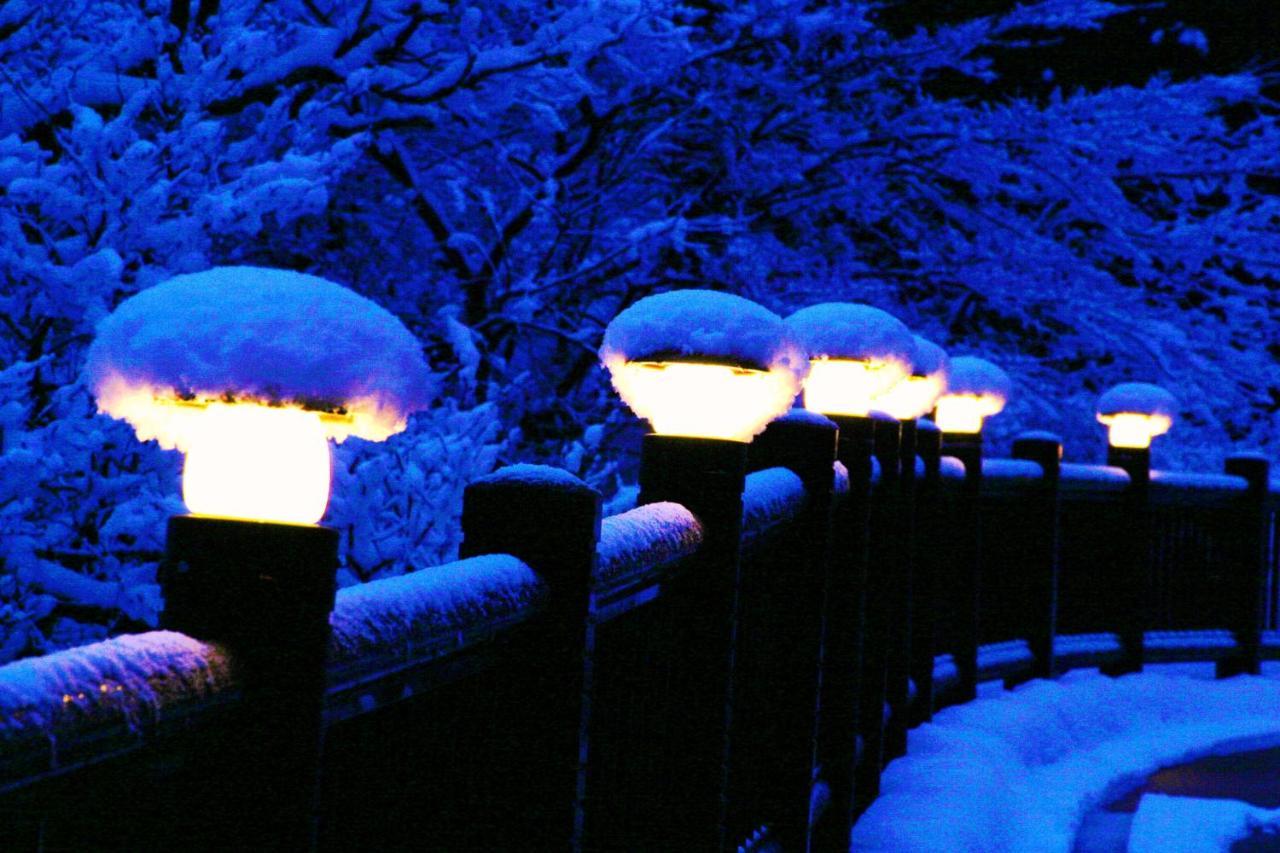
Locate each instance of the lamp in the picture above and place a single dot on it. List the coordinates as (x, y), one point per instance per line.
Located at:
(916, 395)
(856, 354)
(708, 370)
(976, 390)
(249, 372)
(1134, 413)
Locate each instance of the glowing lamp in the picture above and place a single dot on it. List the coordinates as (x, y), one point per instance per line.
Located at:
(977, 389)
(249, 372)
(916, 395)
(703, 364)
(857, 353)
(251, 461)
(1136, 412)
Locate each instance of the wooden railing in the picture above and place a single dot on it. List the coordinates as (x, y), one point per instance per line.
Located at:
(615, 684)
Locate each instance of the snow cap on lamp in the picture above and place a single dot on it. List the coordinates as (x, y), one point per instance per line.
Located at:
(856, 353)
(248, 371)
(916, 395)
(976, 389)
(1135, 413)
(703, 363)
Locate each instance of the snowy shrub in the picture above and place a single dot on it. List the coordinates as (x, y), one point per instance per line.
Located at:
(506, 177)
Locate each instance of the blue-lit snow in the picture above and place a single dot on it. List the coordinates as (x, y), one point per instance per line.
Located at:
(1138, 398)
(1017, 770)
(1165, 824)
(643, 537)
(271, 335)
(703, 323)
(971, 375)
(847, 330)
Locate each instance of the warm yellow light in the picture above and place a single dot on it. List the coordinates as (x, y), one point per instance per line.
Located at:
(257, 462)
(964, 413)
(705, 400)
(1128, 429)
(911, 398)
(837, 386)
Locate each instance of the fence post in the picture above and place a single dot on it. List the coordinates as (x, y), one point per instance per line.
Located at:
(838, 703)
(794, 593)
(1250, 564)
(1042, 562)
(707, 477)
(549, 519)
(924, 598)
(1133, 558)
(901, 590)
(962, 587)
(884, 566)
(264, 591)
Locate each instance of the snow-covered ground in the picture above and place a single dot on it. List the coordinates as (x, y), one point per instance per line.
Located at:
(1019, 770)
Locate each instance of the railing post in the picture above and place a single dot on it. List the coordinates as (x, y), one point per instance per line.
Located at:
(901, 590)
(924, 598)
(1133, 558)
(549, 519)
(1042, 562)
(884, 568)
(1248, 572)
(707, 477)
(842, 642)
(963, 586)
(805, 443)
(264, 591)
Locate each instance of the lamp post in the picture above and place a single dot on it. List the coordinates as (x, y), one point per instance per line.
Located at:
(708, 370)
(857, 353)
(1134, 413)
(249, 372)
(977, 389)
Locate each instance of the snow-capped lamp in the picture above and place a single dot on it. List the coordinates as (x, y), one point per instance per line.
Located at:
(856, 353)
(249, 371)
(701, 363)
(917, 394)
(1135, 413)
(976, 390)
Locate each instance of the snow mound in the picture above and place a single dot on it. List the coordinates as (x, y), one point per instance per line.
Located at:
(771, 497)
(1138, 398)
(385, 616)
(644, 537)
(978, 377)
(854, 332)
(1019, 770)
(929, 359)
(534, 475)
(1165, 824)
(730, 367)
(702, 324)
(129, 679)
(265, 335)
(800, 415)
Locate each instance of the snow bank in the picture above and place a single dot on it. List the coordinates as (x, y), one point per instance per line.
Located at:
(1138, 398)
(129, 680)
(847, 330)
(258, 334)
(392, 615)
(1017, 771)
(706, 324)
(646, 536)
(1165, 824)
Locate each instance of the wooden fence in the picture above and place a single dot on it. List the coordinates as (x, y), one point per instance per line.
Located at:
(714, 673)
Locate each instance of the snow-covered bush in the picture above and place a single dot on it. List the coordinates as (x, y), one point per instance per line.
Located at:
(506, 177)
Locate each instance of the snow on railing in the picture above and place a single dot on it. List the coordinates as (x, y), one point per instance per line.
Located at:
(639, 539)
